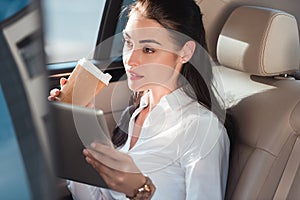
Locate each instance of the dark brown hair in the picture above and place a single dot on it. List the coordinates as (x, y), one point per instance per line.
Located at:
(185, 17)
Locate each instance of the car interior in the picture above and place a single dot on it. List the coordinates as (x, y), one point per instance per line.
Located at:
(255, 50)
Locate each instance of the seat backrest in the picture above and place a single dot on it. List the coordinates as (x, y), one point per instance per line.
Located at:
(256, 46)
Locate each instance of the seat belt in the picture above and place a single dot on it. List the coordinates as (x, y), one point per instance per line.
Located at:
(289, 173)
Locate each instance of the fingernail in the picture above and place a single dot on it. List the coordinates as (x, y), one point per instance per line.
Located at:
(93, 145)
(85, 152)
(88, 160)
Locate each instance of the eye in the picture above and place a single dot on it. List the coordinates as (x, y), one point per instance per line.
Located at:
(127, 44)
(148, 50)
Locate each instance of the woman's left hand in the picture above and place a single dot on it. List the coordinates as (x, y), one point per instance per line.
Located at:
(116, 168)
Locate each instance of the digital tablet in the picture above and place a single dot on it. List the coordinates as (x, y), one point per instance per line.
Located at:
(74, 129)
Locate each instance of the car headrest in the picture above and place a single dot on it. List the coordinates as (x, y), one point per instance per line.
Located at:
(259, 41)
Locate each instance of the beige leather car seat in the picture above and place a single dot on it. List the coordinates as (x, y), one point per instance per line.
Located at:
(257, 50)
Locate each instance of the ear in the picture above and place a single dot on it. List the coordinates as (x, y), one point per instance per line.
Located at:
(187, 51)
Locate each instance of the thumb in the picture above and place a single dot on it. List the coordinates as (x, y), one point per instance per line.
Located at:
(63, 81)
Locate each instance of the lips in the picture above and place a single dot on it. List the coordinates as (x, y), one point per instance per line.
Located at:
(134, 76)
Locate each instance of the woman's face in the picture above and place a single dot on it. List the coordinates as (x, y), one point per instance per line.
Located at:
(150, 56)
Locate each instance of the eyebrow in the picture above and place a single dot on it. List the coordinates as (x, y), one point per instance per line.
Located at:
(143, 41)
(149, 41)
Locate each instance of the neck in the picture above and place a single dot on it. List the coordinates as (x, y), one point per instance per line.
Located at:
(155, 96)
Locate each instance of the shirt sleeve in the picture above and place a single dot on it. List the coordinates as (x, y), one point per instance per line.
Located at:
(205, 158)
(82, 191)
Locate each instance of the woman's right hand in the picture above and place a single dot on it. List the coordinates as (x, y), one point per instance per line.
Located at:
(54, 93)
(116, 168)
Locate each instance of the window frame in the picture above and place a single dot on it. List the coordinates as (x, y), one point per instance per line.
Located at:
(107, 28)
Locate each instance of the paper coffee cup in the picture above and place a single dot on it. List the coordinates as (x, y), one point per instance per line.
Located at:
(84, 83)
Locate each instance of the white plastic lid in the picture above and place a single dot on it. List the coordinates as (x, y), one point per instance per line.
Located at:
(90, 67)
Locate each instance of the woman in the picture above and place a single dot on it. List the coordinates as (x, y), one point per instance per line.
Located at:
(173, 132)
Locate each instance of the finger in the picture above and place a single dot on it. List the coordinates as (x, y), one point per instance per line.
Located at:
(93, 162)
(105, 150)
(89, 157)
(109, 151)
(101, 148)
(85, 152)
(90, 105)
(63, 81)
(54, 92)
(107, 173)
(106, 161)
(50, 98)
(115, 160)
(103, 170)
(57, 99)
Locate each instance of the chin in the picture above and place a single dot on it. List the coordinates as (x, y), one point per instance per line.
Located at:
(134, 87)
(137, 88)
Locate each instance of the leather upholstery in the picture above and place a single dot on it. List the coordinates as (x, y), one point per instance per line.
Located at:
(266, 110)
(266, 130)
(259, 41)
(295, 119)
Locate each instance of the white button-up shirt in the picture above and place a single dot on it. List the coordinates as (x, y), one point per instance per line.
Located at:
(182, 147)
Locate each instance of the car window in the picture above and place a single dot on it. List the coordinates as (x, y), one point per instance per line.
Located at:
(115, 39)
(117, 43)
(71, 28)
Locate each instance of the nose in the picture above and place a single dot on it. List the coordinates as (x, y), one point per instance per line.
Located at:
(132, 58)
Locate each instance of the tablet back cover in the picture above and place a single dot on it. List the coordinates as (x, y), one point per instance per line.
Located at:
(74, 129)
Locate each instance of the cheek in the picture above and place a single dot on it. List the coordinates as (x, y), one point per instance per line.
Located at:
(163, 58)
(125, 60)
(165, 69)
(158, 73)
